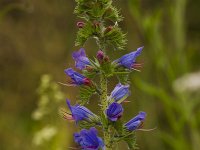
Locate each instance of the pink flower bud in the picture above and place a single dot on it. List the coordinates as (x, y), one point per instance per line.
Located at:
(108, 29)
(80, 24)
(106, 59)
(100, 55)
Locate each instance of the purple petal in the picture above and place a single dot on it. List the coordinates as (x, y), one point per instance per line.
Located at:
(68, 104)
(69, 71)
(120, 91)
(81, 61)
(77, 78)
(80, 53)
(129, 59)
(114, 111)
(88, 139)
(136, 121)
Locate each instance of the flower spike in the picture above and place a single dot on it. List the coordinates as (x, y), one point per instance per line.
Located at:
(100, 22)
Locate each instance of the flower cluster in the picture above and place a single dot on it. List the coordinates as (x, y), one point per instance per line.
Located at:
(88, 139)
(100, 22)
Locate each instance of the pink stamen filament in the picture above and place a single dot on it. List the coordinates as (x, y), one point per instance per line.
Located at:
(126, 101)
(136, 65)
(67, 115)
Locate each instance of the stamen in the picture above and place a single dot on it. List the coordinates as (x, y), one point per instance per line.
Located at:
(136, 66)
(136, 70)
(126, 101)
(147, 130)
(67, 118)
(68, 84)
(66, 115)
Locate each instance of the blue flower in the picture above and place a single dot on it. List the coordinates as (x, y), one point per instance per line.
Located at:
(120, 92)
(77, 78)
(80, 113)
(114, 111)
(81, 61)
(88, 139)
(128, 60)
(136, 122)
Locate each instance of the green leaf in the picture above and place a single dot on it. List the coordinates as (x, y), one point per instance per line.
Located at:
(95, 63)
(123, 78)
(118, 125)
(85, 93)
(131, 141)
(85, 33)
(115, 38)
(107, 68)
(122, 74)
(123, 134)
(85, 124)
(92, 9)
(90, 74)
(112, 14)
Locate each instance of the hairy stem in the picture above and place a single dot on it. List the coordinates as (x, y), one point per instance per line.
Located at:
(103, 84)
(104, 103)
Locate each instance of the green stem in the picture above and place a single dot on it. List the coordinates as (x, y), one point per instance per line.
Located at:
(103, 84)
(104, 103)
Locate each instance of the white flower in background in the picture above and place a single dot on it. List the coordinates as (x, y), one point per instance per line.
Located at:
(44, 135)
(42, 109)
(187, 83)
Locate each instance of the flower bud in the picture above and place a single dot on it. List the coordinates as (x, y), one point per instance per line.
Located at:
(106, 59)
(108, 29)
(89, 68)
(100, 55)
(87, 82)
(96, 24)
(80, 24)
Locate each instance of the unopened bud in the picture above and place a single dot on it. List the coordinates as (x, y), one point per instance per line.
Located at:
(100, 55)
(89, 68)
(80, 24)
(106, 59)
(87, 82)
(96, 24)
(108, 29)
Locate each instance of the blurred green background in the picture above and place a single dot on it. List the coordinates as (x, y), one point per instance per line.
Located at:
(36, 42)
